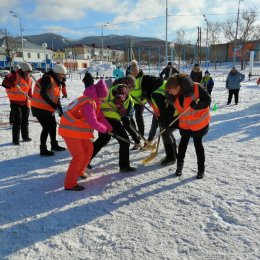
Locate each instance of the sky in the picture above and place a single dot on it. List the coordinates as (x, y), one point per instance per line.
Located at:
(75, 19)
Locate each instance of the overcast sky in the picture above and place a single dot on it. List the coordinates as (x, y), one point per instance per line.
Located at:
(78, 18)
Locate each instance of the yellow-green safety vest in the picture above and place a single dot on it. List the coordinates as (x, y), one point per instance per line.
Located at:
(136, 93)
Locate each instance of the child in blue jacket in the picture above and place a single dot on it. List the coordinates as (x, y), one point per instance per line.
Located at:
(207, 82)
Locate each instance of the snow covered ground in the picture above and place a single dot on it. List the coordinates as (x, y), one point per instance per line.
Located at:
(150, 214)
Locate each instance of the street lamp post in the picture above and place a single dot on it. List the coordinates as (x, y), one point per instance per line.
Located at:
(235, 41)
(207, 41)
(102, 40)
(21, 30)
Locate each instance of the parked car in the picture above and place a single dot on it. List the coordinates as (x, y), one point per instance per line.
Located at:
(3, 72)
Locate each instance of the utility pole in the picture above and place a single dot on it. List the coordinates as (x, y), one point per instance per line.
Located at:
(102, 40)
(235, 41)
(200, 43)
(207, 41)
(166, 34)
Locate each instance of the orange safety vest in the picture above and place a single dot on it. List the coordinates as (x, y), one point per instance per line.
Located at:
(53, 92)
(20, 89)
(192, 119)
(73, 124)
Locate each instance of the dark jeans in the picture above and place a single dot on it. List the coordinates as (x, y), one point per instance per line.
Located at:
(169, 143)
(49, 125)
(127, 121)
(153, 128)
(139, 110)
(103, 139)
(11, 116)
(20, 116)
(198, 147)
(232, 92)
(209, 89)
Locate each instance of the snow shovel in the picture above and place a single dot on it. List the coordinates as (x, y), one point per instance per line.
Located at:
(153, 154)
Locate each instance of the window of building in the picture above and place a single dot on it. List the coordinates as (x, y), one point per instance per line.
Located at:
(28, 55)
(38, 55)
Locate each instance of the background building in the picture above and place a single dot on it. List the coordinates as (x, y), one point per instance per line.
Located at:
(11, 53)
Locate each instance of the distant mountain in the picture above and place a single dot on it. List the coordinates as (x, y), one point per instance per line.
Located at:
(55, 40)
(114, 41)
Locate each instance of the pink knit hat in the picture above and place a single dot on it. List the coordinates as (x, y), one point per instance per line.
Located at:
(101, 88)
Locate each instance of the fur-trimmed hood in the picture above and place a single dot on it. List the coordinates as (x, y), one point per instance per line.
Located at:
(187, 86)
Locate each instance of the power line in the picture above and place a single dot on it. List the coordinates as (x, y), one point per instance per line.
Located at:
(134, 21)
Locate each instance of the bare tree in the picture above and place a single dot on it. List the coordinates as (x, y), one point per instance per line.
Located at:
(215, 31)
(247, 31)
(11, 46)
(247, 34)
(179, 45)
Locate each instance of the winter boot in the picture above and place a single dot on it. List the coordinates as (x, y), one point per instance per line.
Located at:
(179, 168)
(127, 169)
(201, 170)
(170, 157)
(16, 134)
(56, 147)
(27, 139)
(44, 151)
(167, 161)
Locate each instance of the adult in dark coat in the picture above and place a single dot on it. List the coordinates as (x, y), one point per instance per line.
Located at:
(196, 73)
(168, 71)
(153, 90)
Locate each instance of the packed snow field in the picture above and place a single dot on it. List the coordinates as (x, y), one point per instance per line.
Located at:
(149, 214)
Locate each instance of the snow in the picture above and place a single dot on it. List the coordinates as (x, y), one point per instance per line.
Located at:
(150, 214)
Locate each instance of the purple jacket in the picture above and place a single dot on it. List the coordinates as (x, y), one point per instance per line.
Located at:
(97, 122)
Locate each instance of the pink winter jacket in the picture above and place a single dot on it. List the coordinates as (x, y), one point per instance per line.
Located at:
(97, 122)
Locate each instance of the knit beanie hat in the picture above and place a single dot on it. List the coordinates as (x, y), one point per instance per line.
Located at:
(25, 66)
(134, 68)
(88, 80)
(133, 62)
(16, 67)
(101, 88)
(60, 69)
(207, 72)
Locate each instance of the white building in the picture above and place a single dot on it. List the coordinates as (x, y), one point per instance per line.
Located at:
(82, 54)
(38, 56)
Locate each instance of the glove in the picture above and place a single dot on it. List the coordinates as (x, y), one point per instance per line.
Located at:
(194, 105)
